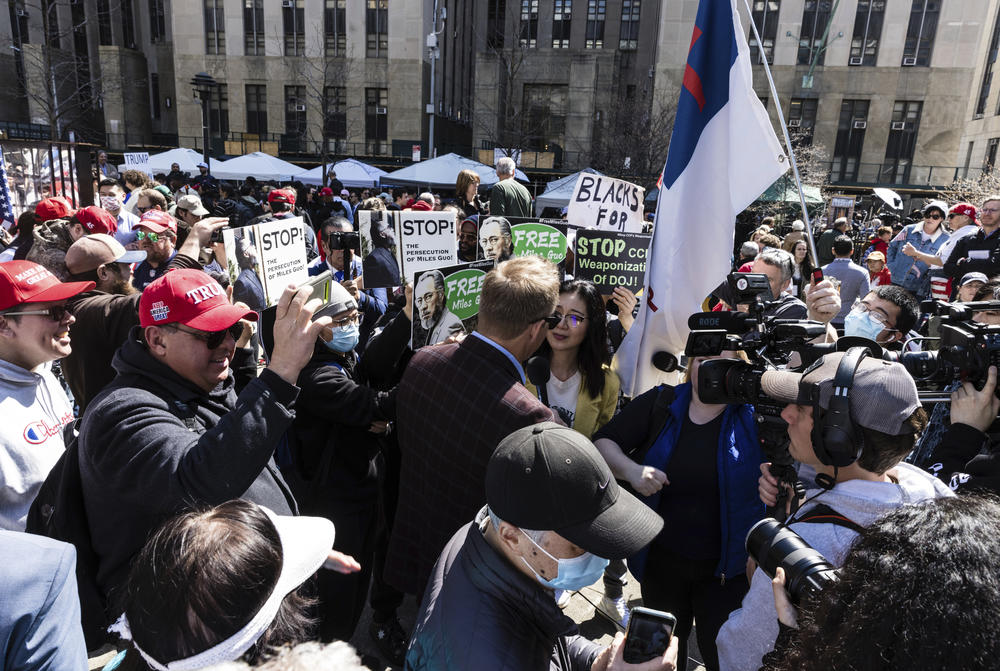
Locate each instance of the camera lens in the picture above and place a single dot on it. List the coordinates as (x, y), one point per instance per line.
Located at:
(772, 544)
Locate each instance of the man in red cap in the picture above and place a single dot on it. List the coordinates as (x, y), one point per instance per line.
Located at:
(56, 207)
(34, 331)
(282, 204)
(171, 431)
(157, 234)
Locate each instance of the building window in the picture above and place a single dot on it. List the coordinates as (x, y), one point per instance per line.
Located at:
(529, 23)
(128, 24)
(335, 112)
(867, 32)
(991, 59)
(815, 16)
(335, 27)
(920, 32)
(293, 17)
(295, 110)
(902, 142)
(218, 111)
(628, 36)
(802, 119)
(104, 23)
(561, 23)
(154, 94)
(256, 109)
(253, 27)
(496, 24)
(544, 122)
(990, 159)
(215, 27)
(157, 20)
(377, 25)
(376, 119)
(765, 17)
(596, 12)
(850, 140)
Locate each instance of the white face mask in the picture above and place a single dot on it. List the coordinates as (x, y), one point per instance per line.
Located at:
(110, 203)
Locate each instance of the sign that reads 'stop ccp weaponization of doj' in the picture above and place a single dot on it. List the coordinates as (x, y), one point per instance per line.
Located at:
(606, 203)
(610, 259)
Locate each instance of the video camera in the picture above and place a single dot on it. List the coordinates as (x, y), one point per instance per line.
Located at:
(344, 240)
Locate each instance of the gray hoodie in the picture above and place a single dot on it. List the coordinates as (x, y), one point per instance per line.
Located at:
(750, 631)
(33, 411)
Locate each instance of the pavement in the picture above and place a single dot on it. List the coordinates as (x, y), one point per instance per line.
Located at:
(581, 608)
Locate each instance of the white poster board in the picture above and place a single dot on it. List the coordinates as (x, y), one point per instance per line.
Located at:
(427, 240)
(264, 259)
(606, 203)
(138, 161)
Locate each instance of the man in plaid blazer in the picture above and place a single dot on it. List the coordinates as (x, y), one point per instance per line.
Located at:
(455, 404)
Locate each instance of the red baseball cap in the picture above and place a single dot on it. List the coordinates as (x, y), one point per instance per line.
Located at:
(56, 207)
(97, 220)
(158, 221)
(27, 282)
(189, 297)
(968, 209)
(281, 196)
(326, 191)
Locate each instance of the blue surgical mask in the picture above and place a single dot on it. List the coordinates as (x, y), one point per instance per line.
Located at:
(574, 573)
(345, 338)
(863, 324)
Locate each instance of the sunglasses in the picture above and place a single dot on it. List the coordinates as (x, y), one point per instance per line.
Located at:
(143, 210)
(933, 216)
(551, 321)
(212, 338)
(56, 313)
(574, 320)
(143, 235)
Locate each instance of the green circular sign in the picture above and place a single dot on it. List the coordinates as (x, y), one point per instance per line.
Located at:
(462, 289)
(541, 240)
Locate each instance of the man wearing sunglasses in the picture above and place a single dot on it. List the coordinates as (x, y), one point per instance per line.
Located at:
(157, 234)
(906, 258)
(979, 253)
(34, 331)
(171, 431)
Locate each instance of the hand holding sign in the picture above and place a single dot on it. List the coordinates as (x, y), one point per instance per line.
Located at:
(294, 332)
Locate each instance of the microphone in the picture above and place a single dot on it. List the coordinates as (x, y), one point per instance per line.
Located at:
(538, 372)
(731, 322)
(665, 361)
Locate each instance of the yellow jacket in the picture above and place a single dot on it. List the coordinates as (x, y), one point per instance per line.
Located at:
(593, 413)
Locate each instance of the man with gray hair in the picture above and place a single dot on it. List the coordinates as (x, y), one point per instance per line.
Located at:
(437, 322)
(778, 265)
(508, 197)
(748, 252)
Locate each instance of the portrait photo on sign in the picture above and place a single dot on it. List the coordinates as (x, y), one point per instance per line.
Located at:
(244, 267)
(469, 249)
(379, 254)
(496, 242)
(446, 302)
(541, 238)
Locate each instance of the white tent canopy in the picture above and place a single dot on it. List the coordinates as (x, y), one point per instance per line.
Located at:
(187, 159)
(442, 172)
(558, 192)
(351, 172)
(257, 164)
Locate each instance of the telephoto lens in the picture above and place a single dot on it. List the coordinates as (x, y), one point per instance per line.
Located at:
(807, 572)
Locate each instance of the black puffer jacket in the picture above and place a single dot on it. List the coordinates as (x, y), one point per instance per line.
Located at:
(479, 612)
(153, 444)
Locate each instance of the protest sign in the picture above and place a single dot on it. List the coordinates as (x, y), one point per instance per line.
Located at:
(610, 259)
(541, 239)
(426, 240)
(264, 259)
(379, 251)
(138, 161)
(446, 301)
(606, 203)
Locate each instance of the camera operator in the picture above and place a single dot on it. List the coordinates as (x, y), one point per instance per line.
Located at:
(883, 419)
(902, 585)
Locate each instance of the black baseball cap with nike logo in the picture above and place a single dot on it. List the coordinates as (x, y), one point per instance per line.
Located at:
(551, 478)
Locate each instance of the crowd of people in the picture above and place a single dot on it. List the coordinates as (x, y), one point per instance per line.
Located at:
(194, 480)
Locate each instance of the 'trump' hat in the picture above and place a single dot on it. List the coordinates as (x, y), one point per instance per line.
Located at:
(55, 207)
(157, 221)
(968, 209)
(96, 220)
(27, 282)
(189, 297)
(92, 251)
(552, 478)
(281, 196)
(882, 395)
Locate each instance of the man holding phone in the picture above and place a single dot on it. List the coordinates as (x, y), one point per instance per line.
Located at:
(554, 515)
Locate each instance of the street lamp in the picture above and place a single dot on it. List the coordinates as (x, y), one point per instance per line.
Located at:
(203, 86)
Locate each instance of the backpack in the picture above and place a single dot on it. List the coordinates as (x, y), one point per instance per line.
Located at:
(58, 512)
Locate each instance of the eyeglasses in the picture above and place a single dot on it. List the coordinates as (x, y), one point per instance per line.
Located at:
(991, 210)
(574, 320)
(345, 322)
(143, 210)
(877, 316)
(551, 321)
(933, 216)
(212, 339)
(143, 235)
(56, 313)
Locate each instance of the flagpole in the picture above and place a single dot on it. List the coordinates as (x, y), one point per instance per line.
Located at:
(784, 131)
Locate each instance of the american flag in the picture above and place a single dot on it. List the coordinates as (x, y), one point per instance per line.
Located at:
(6, 210)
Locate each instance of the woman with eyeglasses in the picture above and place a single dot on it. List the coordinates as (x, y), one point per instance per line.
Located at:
(912, 252)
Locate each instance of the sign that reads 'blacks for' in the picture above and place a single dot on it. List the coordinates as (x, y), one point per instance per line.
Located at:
(610, 259)
(606, 203)
(446, 302)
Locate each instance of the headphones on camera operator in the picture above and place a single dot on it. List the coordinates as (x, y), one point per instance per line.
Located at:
(835, 439)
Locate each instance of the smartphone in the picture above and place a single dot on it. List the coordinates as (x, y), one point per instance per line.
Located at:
(648, 635)
(217, 234)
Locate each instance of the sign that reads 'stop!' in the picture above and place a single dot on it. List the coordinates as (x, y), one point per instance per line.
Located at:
(606, 203)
